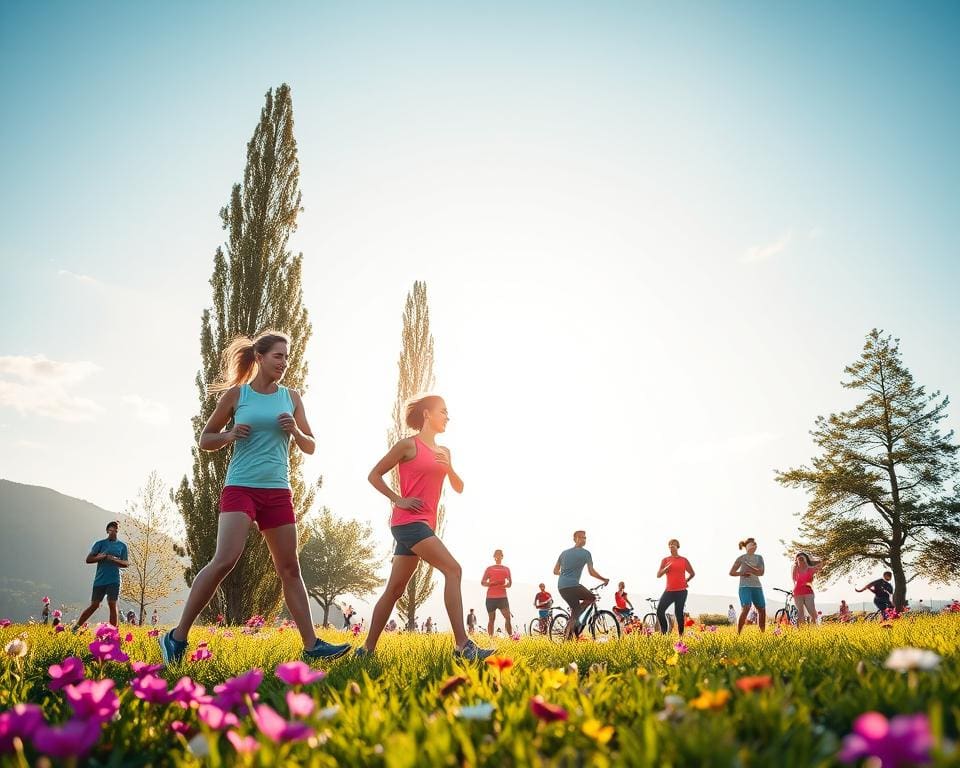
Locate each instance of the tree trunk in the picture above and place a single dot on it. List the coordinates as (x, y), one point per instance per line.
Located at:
(899, 582)
(411, 608)
(326, 613)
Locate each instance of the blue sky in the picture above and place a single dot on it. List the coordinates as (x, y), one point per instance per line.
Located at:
(653, 236)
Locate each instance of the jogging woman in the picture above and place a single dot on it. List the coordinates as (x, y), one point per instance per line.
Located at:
(265, 417)
(678, 571)
(804, 569)
(423, 466)
(749, 567)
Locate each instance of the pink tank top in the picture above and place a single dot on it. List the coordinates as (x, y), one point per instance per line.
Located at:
(421, 477)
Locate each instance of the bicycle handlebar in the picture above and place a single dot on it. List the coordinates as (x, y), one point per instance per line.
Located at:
(785, 591)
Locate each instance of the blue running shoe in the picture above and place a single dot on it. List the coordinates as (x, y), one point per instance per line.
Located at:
(324, 650)
(171, 649)
(472, 652)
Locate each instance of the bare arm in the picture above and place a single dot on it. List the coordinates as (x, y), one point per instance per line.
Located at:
(690, 573)
(735, 568)
(96, 557)
(444, 457)
(556, 568)
(402, 451)
(664, 567)
(118, 562)
(297, 425)
(596, 575)
(213, 438)
(485, 581)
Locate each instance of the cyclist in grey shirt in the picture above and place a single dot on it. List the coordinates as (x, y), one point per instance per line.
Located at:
(749, 567)
(569, 568)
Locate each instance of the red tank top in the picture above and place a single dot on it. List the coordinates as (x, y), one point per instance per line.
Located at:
(421, 477)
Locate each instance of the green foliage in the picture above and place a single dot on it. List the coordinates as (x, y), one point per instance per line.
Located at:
(714, 619)
(392, 709)
(339, 558)
(257, 286)
(879, 485)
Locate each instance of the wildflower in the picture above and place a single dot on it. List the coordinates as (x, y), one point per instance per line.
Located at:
(151, 689)
(500, 662)
(57, 614)
(688, 622)
(107, 650)
(903, 659)
(178, 726)
(202, 653)
(93, 699)
(59, 628)
(712, 628)
(188, 694)
(4, 623)
(278, 730)
(710, 700)
(451, 684)
(141, 668)
(572, 668)
(904, 739)
(777, 632)
(481, 711)
(673, 708)
(299, 704)
(597, 731)
(233, 691)
(68, 672)
(545, 711)
(16, 648)
(153, 633)
(128, 638)
(243, 744)
(754, 683)
(198, 746)
(216, 717)
(672, 661)
(642, 672)
(299, 673)
(328, 713)
(20, 721)
(72, 739)
(106, 632)
(680, 647)
(555, 678)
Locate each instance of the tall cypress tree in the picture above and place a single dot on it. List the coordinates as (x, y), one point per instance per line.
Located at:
(256, 285)
(415, 376)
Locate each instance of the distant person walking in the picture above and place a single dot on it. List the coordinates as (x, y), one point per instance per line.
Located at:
(569, 569)
(497, 580)
(882, 591)
(423, 466)
(45, 613)
(749, 567)
(804, 570)
(731, 615)
(110, 555)
(678, 571)
(266, 417)
(154, 618)
(471, 622)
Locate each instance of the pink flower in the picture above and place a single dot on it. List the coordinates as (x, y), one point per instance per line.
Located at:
(93, 699)
(243, 744)
(298, 673)
(201, 654)
(906, 739)
(299, 704)
(45, 600)
(141, 668)
(680, 647)
(72, 739)
(178, 726)
(547, 712)
(68, 672)
(151, 689)
(57, 614)
(215, 717)
(187, 693)
(107, 632)
(233, 691)
(128, 638)
(59, 628)
(107, 650)
(4, 623)
(278, 730)
(20, 721)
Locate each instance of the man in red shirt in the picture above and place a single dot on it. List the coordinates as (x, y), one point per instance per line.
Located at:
(543, 602)
(497, 580)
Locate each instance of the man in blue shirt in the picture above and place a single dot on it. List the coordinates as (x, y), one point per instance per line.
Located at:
(110, 555)
(882, 591)
(569, 568)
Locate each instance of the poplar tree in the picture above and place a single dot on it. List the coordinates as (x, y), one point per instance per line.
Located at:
(256, 286)
(415, 377)
(880, 488)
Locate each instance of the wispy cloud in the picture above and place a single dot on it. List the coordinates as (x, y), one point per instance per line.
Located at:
(85, 279)
(41, 387)
(759, 253)
(148, 411)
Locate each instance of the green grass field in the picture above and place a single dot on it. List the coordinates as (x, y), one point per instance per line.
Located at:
(636, 701)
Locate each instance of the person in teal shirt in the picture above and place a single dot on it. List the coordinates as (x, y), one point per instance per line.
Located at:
(109, 555)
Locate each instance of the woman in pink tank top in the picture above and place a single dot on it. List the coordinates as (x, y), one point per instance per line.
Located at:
(423, 466)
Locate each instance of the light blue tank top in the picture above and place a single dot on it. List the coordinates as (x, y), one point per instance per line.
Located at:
(262, 459)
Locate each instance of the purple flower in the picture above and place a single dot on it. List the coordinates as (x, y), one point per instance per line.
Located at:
(298, 673)
(680, 647)
(234, 690)
(4, 623)
(67, 672)
(151, 689)
(21, 720)
(299, 704)
(178, 726)
(74, 738)
(93, 699)
(141, 668)
(243, 744)
(106, 632)
(188, 693)
(201, 654)
(902, 740)
(278, 730)
(215, 717)
(107, 650)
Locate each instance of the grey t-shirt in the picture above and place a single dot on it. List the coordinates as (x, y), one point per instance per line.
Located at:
(571, 566)
(755, 561)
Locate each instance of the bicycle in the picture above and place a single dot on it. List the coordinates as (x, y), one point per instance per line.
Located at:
(602, 623)
(650, 621)
(540, 627)
(787, 614)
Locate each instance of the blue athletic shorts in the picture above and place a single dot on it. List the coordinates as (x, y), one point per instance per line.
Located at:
(408, 535)
(752, 595)
(544, 613)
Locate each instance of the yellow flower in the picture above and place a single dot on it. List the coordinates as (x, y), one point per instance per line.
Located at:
(710, 700)
(672, 661)
(554, 678)
(597, 731)
(642, 672)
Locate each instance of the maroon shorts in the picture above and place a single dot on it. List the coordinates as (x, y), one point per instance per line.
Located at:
(267, 507)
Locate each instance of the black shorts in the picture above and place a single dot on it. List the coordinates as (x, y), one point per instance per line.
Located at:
(498, 604)
(408, 535)
(576, 596)
(110, 591)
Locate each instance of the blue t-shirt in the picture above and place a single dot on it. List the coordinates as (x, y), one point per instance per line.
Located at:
(571, 566)
(107, 572)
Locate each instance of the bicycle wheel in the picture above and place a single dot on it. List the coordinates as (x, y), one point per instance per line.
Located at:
(650, 623)
(558, 627)
(604, 626)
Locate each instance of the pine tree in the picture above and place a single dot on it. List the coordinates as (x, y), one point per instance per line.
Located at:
(415, 376)
(879, 485)
(256, 285)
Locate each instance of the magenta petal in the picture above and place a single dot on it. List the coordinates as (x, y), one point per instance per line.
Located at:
(243, 744)
(21, 720)
(67, 672)
(216, 718)
(73, 738)
(299, 704)
(854, 747)
(872, 726)
(299, 673)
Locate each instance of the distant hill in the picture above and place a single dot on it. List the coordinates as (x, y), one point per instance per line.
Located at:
(46, 538)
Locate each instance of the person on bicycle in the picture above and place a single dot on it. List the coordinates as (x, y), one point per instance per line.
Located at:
(882, 591)
(569, 568)
(543, 602)
(749, 567)
(622, 606)
(678, 571)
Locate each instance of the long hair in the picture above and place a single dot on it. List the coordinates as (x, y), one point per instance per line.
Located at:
(238, 361)
(413, 412)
